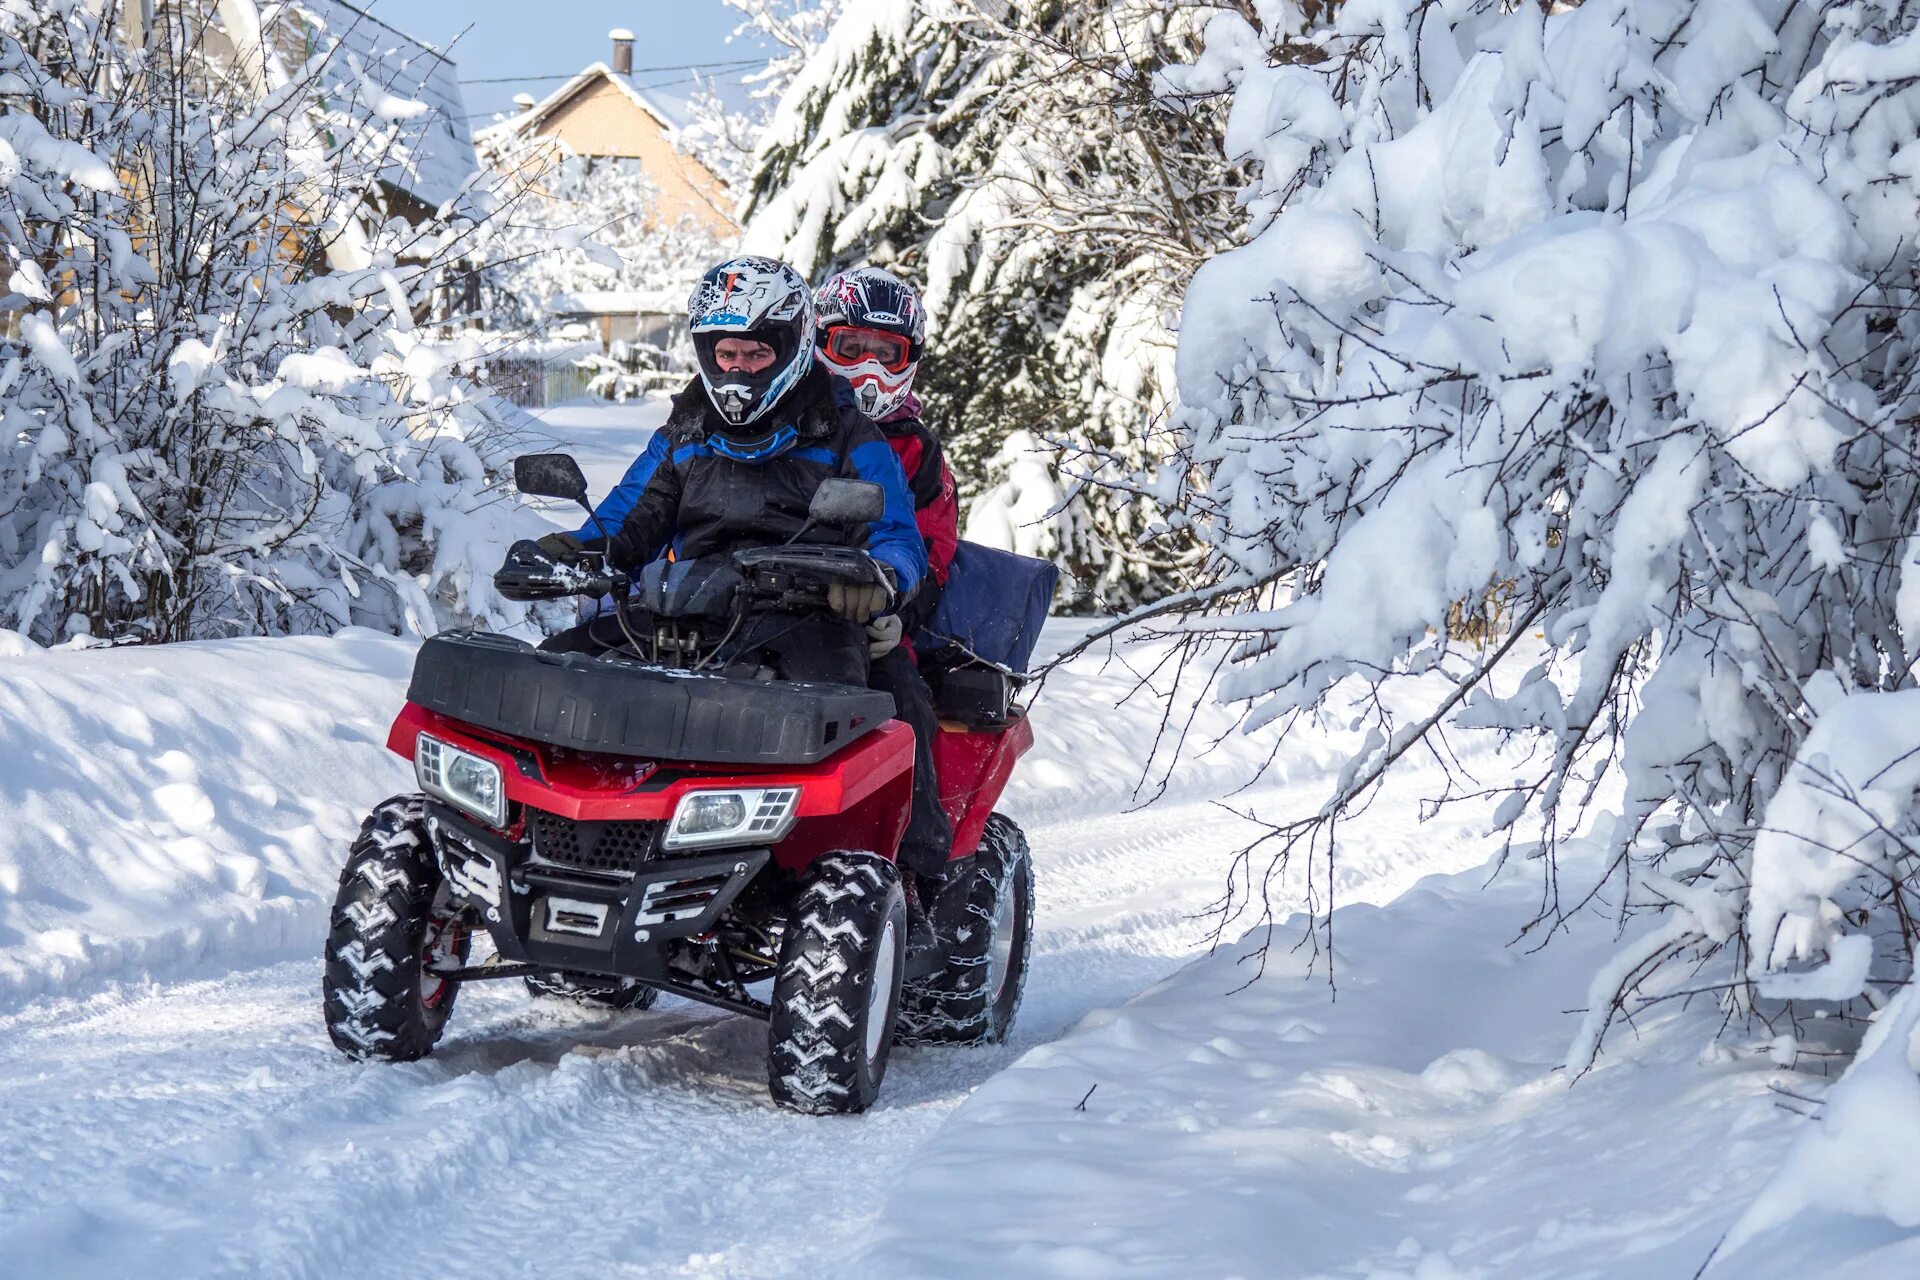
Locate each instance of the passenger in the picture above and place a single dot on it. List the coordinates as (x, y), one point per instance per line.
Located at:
(872, 333)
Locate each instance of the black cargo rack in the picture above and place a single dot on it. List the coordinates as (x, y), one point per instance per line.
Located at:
(625, 708)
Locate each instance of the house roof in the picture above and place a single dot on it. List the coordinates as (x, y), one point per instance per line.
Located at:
(402, 81)
(670, 113)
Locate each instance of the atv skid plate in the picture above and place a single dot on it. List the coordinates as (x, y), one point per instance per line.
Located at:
(544, 915)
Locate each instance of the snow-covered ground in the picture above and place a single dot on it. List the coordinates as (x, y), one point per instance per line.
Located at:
(604, 438)
(151, 1090)
(1418, 1125)
(171, 822)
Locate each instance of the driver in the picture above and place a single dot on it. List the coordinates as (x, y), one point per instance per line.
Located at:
(736, 465)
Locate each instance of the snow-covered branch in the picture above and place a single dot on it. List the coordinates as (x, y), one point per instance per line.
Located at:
(1613, 321)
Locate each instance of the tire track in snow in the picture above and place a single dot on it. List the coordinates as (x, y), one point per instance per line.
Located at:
(564, 1142)
(528, 1123)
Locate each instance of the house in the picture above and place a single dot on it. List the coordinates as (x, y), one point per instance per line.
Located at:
(602, 116)
(430, 156)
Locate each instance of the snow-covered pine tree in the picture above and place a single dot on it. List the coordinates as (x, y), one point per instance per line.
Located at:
(208, 428)
(1612, 306)
(1014, 160)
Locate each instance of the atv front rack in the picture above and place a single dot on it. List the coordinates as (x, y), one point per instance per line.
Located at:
(625, 708)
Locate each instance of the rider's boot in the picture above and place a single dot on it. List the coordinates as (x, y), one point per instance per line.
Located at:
(920, 932)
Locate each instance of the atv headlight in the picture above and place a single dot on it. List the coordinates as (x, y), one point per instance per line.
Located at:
(757, 815)
(461, 778)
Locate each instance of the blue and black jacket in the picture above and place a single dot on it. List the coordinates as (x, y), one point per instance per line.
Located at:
(682, 493)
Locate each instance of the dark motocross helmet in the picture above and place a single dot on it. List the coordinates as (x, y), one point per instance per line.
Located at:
(767, 301)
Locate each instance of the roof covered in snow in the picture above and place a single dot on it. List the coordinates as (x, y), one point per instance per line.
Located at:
(669, 111)
(390, 77)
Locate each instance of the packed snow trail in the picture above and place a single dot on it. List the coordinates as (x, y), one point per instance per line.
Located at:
(206, 1128)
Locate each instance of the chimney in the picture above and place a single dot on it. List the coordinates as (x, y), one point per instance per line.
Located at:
(622, 50)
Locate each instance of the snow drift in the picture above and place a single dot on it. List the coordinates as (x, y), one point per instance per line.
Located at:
(170, 805)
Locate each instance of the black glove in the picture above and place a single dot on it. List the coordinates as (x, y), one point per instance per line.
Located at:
(563, 547)
(627, 552)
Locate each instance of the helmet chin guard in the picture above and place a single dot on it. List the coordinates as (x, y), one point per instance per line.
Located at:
(759, 299)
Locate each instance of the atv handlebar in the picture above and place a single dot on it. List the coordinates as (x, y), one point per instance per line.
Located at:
(798, 576)
(529, 573)
(794, 577)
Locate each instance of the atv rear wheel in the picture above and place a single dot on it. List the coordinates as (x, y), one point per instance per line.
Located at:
(591, 988)
(391, 920)
(984, 917)
(838, 990)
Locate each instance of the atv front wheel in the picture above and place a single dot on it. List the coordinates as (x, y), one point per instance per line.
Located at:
(591, 988)
(391, 922)
(838, 989)
(984, 917)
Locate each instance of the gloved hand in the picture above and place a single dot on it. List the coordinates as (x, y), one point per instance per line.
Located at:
(883, 635)
(563, 547)
(859, 602)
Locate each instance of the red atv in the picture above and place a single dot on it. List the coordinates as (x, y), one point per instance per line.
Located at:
(674, 817)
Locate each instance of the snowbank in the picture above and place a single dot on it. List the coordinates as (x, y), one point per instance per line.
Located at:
(164, 806)
(1415, 1125)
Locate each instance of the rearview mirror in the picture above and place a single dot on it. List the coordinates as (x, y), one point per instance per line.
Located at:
(846, 502)
(550, 475)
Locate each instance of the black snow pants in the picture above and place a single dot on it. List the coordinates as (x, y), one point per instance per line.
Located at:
(929, 839)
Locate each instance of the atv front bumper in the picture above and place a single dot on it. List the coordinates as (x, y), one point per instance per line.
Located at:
(610, 919)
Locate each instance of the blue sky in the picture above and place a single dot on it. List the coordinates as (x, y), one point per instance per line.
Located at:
(540, 43)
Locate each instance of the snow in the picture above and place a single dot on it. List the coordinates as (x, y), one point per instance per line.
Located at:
(169, 855)
(211, 1083)
(169, 807)
(1019, 512)
(1416, 1125)
(172, 821)
(1390, 1132)
(400, 81)
(1827, 839)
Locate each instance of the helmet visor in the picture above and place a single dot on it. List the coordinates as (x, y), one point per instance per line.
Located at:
(849, 345)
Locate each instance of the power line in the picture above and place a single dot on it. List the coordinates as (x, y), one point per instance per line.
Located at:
(658, 84)
(676, 66)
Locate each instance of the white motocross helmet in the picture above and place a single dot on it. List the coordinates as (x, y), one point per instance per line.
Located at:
(873, 332)
(759, 298)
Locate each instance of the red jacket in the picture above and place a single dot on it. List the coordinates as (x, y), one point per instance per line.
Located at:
(936, 503)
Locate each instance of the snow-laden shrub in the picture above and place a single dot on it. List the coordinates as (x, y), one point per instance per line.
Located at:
(1836, 878)
(1611, 309)
(225, 409)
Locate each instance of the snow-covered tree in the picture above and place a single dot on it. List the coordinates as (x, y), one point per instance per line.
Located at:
(590, 227)
(1611, 308)
(208, 428)
(724, 138)
(1015, 161)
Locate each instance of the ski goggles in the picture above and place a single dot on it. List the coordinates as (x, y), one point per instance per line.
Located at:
(848, 345)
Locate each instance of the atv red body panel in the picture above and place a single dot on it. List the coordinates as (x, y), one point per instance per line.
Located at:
(857, 798)
(974, 765)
